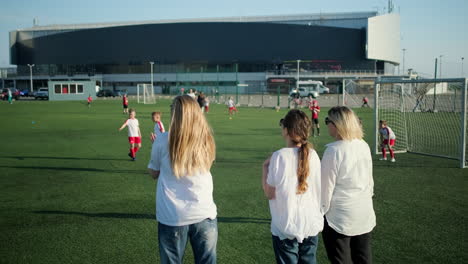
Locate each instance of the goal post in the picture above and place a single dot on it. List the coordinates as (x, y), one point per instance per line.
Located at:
(145, 93)
(428, 116)
(355, 90)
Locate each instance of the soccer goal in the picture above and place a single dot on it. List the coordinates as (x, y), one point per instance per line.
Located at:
(427, 116)
(145, 94)
(355, 90)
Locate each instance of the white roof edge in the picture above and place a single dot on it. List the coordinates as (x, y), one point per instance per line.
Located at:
(272, 18)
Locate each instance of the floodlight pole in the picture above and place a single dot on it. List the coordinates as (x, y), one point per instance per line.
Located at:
(297, 82)
(462, 72)
(152, 63)
(435, 84)
(30, 75)
(440, 66)
(404, 51)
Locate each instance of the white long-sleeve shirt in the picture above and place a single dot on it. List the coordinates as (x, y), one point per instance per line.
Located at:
(294, 215)
(347, 187)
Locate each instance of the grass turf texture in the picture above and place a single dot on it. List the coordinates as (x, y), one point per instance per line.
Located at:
(70, 194)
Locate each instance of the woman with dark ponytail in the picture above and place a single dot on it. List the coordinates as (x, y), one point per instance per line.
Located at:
(291, 182)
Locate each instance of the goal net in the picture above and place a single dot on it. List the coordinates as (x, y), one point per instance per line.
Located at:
(355, 90)
(427, 116)
(145, 93)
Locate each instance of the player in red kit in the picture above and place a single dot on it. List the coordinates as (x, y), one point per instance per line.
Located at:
(315, 108)
(125, 104)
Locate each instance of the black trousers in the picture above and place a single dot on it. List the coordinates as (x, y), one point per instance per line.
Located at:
(342, 249)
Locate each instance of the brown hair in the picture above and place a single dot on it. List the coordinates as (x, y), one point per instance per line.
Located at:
(156, 113)
(297, 124)
(383, 122)
(191, 144)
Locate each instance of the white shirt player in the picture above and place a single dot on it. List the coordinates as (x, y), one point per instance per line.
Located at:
(230, 103)
(191, 95)
(158, 128)
(387, 133)
(133, 127)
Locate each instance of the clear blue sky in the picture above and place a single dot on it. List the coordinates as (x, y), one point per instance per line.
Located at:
(429, 28)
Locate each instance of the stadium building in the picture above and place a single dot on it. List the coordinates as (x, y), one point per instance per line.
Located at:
(217, 53)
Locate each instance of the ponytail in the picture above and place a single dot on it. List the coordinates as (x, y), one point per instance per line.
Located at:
(303, 167)
(298, 126)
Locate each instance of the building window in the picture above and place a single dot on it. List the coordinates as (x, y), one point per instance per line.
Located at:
(73, 88)
(58, 88)
(80, 89)
(64, 88)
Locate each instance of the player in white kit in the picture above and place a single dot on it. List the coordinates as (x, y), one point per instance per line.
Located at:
(134, 134)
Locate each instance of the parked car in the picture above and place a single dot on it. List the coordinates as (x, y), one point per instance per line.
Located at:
(14, 92)
(105, 93)
(42, 93)
(309, 88)
(25, 93)
(120, 93)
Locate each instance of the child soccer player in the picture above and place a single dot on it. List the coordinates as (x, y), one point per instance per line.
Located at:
(365, 102)
(232, 107)
(125, 104)
(134, 134)
(387, 140)
(158, 126)
(315, 108)
(90, 99)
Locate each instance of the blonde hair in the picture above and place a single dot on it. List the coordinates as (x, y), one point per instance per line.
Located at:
(191, 144)
(348, 126)
(297, 123)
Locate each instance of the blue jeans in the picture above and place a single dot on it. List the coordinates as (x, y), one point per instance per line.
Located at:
(290, 251)
(203, 238)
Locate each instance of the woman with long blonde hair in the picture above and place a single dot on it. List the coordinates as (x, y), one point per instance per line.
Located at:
(291, 181)
(181, 160)
(347, 190)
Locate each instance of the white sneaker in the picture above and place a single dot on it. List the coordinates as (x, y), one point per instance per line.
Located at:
(383, 159)
(393, 160)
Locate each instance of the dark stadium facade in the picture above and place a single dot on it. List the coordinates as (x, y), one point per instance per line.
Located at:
(199, 52)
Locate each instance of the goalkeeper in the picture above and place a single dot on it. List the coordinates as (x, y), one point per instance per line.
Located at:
(387, 140)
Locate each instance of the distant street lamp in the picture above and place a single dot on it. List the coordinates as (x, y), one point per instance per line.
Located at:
(404, 51)
(30, 75)
(297, 82)
(440, 66)
(463, 73)
(152, 63)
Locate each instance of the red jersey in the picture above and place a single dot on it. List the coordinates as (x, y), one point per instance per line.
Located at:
(365, 100)
(125, 100)
(315, 111)
(90, 99)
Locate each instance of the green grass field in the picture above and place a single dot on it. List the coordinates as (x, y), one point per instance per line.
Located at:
(70, 194)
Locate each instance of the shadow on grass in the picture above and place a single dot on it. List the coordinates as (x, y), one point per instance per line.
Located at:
(74, 169)
(59, 158)
(248, 220)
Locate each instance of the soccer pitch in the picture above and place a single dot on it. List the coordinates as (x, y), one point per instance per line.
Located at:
(70, 194)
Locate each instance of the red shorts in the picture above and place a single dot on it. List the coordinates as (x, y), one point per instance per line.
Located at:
(390, 142)
(232, 108)
(134, 140)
